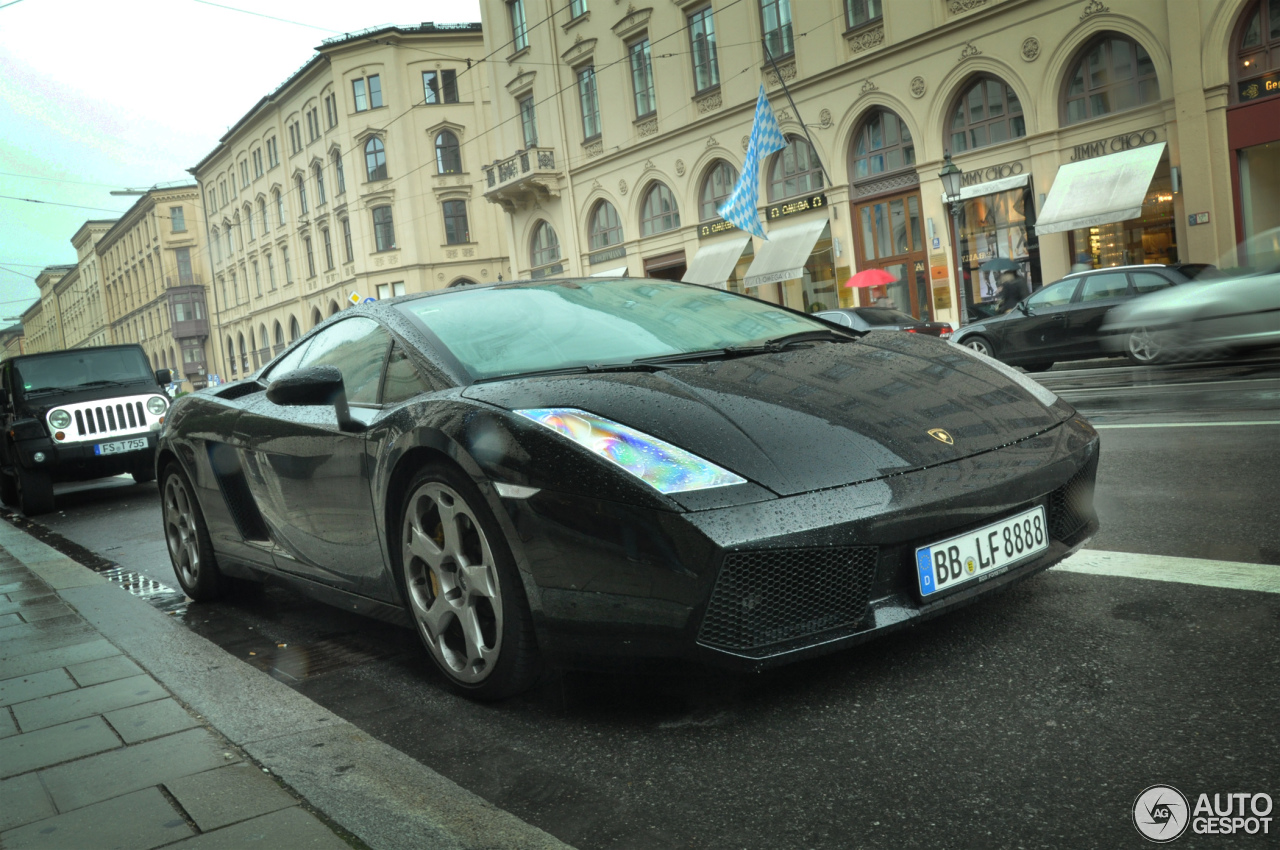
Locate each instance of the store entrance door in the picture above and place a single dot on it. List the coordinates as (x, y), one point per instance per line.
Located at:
(889, 236)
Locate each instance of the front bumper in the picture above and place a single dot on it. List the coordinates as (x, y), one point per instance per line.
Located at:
(79, 462)
(757, 585)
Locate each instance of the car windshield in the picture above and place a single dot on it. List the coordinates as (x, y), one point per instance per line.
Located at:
(884, 316)
(509, 330)
(71, 370)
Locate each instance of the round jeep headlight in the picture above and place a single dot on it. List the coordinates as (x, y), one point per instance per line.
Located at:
(156, 406)
(60, 419)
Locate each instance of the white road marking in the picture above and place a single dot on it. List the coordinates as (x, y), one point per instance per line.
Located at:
(1229, 574)
(1184, 424)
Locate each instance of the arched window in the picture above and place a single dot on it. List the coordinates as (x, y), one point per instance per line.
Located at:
(333, 308)
(986, 113)
(279, 207)
(279, 334)
(544, 248)
(658, 213)
(231, 355)
(881, 144)
(316, 318)
(375, 159)
(1257, 47)
(262, 211)
(294, 330)
(262, 337)
(302, 193)
(448, 154)
(604, 228)
(460, 282)
(1114, 73)
(337, 167)
(716, 188)
(248, 217)
(244, 354)
(319, 172)
(795, 171)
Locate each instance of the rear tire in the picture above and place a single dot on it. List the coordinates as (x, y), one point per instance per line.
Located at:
(187, 538)
(144, 473)
(980, 345)
(462, 589)
(1143, 349)
(35, 492)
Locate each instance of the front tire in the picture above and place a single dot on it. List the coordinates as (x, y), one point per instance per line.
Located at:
(187, 538)
(8, 489)
(1043, 366)
(462, 587)
(35, 492)
(1142, 348)
(143, 473)
(980, 345)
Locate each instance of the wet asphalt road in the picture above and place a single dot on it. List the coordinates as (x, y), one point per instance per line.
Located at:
(1031, 719)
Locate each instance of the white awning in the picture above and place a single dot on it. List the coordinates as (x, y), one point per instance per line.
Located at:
(620, 271)
(783, 257)
(713, 264)
(1099, 191)
(1004, 184)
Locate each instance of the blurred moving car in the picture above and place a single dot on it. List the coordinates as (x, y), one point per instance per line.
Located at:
(884, 319)
(605, 468)
(1063, 320)
(1207, 317)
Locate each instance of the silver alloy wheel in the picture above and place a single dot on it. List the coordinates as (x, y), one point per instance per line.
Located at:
(180, 530)
(979, 345)
(1143, 346)
(452, 582)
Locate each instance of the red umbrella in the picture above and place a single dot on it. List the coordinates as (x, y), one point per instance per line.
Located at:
(870, 277)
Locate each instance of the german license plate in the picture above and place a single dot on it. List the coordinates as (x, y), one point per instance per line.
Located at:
(981, 552)
(120, 447)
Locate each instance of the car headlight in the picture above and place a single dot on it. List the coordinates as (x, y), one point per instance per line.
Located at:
(664, 467)
(156, 406)
(60, 419)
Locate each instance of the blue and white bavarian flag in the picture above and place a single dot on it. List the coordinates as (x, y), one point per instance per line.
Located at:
(766, 138)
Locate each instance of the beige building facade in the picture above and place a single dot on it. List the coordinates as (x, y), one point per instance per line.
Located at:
(41, 323)
(79, 293)
(630, 127)
(357, 178)
(152, 290)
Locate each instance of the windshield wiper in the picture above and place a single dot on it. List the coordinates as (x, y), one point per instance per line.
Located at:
(48, 390)
(109, 383)
(681, 357)
(778, 343)
(574, 370)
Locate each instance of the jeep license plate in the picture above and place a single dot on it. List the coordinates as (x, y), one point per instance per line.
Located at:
(120, 447)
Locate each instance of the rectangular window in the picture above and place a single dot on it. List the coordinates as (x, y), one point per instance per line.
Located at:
(213, 199)
(368, 92)
(177, 219)
(342, 178)
(311, 257)
(302, 195)
(328, 250)
(590, 102)
(384, 232)
(273, 152)
(288, 269)
(257, 278)
(859, 12)
(440, 86)
(280, 208)
(642, 77)
(222, 188)
(390, 290)
(257, 162)
(271, 272)
(776, 17)
(235, 287)
(331, 110)
(346, 239)
(528, 122)
(577, 8)
(455, 222)
(519, 31)
(244, 174)
(702, 35)
(185, 277)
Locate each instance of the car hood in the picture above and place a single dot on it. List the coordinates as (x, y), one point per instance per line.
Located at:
(810, 418)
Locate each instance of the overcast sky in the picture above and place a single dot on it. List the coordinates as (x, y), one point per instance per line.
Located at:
(96, 96)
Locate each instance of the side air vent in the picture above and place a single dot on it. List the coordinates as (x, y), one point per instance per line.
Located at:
(235, 492)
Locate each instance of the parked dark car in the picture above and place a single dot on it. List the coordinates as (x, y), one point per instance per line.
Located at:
(577, 470)
(76, 415)
(884, 319)
(1063, 320)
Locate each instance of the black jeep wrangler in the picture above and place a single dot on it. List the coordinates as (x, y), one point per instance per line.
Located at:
(76, 415)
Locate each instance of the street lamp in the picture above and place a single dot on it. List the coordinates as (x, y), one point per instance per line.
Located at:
(951, 177)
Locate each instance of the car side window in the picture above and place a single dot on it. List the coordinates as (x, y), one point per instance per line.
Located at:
(838, 318)
(1053, 295)
(402, 380)
(358, 347)
(1149, 281)
(1108, 285)
(290, 361)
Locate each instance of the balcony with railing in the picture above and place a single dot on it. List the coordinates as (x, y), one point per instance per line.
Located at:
(526, 176)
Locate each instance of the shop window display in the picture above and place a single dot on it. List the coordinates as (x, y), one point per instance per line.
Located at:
(1151, 238)
(997, 225)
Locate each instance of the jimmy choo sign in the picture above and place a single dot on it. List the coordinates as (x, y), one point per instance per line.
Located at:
(995, 172)
(1115, 144)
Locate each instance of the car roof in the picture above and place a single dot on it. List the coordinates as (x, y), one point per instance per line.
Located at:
(1118, 269)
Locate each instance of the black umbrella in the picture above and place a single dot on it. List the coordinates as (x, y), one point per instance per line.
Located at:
(1000, 264)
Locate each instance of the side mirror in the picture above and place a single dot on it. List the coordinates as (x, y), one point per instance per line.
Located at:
(164, 376)
(1025, 308)
(314, 385)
